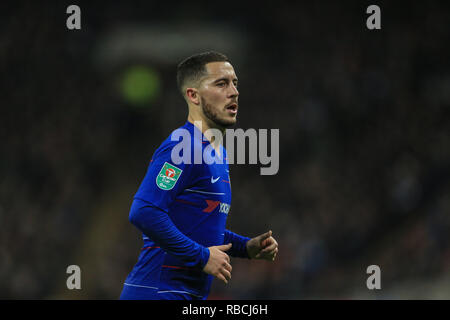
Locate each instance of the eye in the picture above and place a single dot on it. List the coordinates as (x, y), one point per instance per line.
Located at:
(221, 84)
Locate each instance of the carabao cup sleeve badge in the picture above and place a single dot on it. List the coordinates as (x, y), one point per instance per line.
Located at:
(168, 176)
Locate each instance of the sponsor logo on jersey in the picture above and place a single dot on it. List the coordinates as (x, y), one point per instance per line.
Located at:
(224, 208)
(212, 205)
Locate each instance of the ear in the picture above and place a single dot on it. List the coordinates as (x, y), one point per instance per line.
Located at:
(192, 95)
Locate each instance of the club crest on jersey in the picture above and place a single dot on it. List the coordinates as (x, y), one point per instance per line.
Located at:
(168, 176)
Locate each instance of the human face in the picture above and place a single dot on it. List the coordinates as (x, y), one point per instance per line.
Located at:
(219, 95)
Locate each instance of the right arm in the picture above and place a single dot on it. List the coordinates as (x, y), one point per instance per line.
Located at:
(156, 225)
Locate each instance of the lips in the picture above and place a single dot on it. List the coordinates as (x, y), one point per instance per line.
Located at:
(232, 108)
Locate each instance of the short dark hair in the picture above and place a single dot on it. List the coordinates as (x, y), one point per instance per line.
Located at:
(193, 67)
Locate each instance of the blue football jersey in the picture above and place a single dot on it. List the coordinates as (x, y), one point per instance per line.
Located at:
(196, 197)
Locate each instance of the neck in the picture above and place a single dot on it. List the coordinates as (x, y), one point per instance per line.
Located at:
(204, 124)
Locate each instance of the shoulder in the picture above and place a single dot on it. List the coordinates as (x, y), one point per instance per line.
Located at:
(180, 146)
(174, 138)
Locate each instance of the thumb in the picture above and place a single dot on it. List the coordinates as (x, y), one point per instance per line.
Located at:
(224, 247)
(266, 235)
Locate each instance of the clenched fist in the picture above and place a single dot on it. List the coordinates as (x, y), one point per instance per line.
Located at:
(263, 246)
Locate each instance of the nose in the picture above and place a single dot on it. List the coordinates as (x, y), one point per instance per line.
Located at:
(234, 91)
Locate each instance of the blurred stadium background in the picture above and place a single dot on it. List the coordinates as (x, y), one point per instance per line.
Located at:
(364, 119)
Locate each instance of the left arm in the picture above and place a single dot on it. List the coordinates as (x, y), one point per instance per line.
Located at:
(263, 246)
(239, 247)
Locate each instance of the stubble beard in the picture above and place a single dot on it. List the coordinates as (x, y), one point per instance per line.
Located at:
(213, 115)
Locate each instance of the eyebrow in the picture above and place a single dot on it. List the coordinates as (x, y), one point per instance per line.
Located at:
(224, 79)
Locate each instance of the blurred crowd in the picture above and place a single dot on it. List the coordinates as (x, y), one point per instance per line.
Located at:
(364, 120)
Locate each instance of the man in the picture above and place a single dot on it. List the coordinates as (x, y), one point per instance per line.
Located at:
(181, 208)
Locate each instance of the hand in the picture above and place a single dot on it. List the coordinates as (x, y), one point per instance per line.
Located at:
(219, 263)
(263, 246)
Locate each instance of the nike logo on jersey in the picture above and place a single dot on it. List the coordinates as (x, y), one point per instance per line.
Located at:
(214, 180)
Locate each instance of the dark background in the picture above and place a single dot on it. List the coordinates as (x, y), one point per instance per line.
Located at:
(364, 124)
